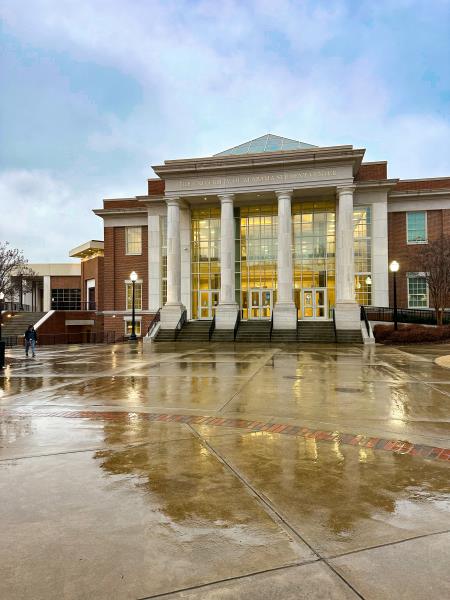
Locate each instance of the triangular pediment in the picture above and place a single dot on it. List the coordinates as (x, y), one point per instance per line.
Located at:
(266, 143)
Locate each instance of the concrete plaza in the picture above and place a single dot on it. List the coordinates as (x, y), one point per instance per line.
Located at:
(225, 472)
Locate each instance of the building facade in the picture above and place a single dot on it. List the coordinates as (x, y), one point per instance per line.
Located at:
(271, 229)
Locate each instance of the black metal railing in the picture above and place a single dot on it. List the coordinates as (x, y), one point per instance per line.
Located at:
(405, 315)
(180, 324)
(236, 325)
(72, 305)
(16, 307)
(156, 319)
(271, 326)
(212, 327)
(51, 339)
(365, 319)
(333, 312)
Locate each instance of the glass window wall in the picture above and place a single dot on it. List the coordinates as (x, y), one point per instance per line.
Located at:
(205, 261)
(362, 244)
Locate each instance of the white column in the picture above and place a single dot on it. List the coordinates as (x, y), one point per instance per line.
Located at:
(285, 311)
(380, 259)
(154, 263)
(185, 238)
(47, 299)
(172, 310)
(347, 310)
(226, 312)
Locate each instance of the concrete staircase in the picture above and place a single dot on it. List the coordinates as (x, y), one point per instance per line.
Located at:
(165, 335)
(351, 336)
(284, 335)
(16, 325)
(320, 332)
(194, 331)
(254, 331)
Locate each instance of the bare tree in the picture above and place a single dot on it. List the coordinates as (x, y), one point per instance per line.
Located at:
(433, 259)
(15, 274)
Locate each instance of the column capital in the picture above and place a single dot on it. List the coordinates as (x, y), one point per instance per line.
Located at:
(173, 201)
(345, 189)
(284, 193)
(226, 198)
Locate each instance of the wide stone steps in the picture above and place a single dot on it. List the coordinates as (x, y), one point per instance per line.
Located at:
(349, 337)
(284, 335)
(195, 331)
(165, 335)
(316, 331)
(17, 324)
(254, 331)
(223, 335)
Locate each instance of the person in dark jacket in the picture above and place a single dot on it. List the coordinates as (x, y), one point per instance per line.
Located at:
(30, 340)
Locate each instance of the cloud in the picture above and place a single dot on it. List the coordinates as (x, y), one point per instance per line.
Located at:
(213, 74)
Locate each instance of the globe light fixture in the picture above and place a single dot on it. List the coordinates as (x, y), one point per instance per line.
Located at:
(133, 278)
(369, 280)
(394, 266)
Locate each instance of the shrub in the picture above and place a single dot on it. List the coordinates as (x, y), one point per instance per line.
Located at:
(411, 334)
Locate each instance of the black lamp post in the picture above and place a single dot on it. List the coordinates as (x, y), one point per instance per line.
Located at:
(394, 267)
(133, 277)
(2, 343)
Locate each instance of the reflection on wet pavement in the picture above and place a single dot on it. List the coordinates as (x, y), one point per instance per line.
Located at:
(114, 503)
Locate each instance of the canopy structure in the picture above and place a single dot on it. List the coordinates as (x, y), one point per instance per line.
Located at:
(266, 143)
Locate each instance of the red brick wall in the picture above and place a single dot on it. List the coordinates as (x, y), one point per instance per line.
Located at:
(438, 222)
(93, 269)
(125, 203)
(156, 187)
(118, 266)
(117, 325)
(423, 184)
(371, 171)
(65, 282)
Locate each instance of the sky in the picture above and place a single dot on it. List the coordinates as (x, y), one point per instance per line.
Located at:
(96, 91)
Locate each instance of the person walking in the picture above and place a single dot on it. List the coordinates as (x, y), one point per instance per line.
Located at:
(30, 340)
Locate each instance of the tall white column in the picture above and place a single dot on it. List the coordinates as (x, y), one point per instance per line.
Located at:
(172, 310)
(154, 263)
(226, 312)
(285, 311)
(47, 300)
(380, 259)
(347, 310)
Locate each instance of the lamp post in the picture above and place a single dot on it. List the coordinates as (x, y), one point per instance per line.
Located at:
(2, 343)
(394, 267)
(133, 277)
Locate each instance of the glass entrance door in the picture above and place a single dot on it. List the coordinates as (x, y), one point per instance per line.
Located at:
(261, 303)
(208, 300)
(314, 303)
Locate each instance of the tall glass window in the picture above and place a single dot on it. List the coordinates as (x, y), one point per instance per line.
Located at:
(137, 295)
(416, 225)
(362, 244)
(163, 254)
(258, 252)
(205, 261)
(133, 240)
(314, 231)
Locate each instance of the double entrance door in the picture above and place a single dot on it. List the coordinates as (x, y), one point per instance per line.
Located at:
(261, 304)
(207, 302)
(314, 303)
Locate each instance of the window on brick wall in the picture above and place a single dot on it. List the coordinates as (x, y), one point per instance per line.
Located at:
(417, 291)
(416, 226)
(137, 295)
(137, 326)
(133, 240)
(66, 299)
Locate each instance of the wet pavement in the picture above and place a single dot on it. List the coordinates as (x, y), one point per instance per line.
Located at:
(225, 472)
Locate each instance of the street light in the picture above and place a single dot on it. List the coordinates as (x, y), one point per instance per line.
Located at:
(394, 267)
(133, 277)
(2, 343)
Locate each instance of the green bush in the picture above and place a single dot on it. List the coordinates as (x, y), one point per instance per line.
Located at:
(411, 334)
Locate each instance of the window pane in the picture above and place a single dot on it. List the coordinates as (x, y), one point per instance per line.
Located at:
(133, 238)
(417, 292)
(416, 226)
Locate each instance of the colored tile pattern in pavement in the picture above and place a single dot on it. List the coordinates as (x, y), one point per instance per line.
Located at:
(395, 446)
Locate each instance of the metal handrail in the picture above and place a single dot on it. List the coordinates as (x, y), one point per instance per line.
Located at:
(365, 319)
(153, 322)
(180, 323)
(426, 316)
(271, 327)
(236, 325)
(333, 312)
(212, 327)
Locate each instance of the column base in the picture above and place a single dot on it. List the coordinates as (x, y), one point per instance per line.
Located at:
(285, 315)
(170, 315)
(347, 316)
(226, 315)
